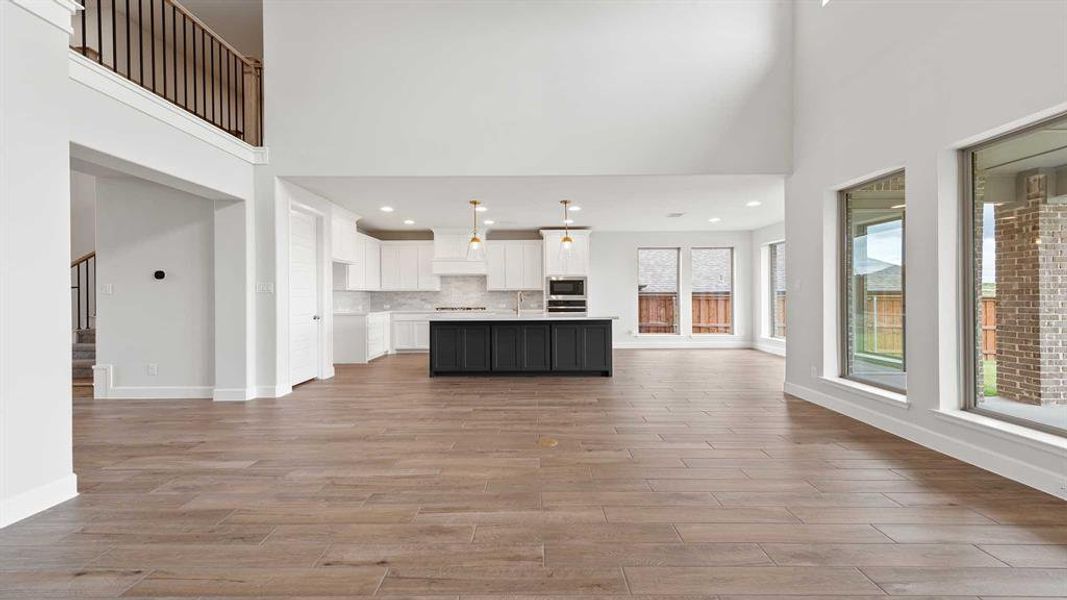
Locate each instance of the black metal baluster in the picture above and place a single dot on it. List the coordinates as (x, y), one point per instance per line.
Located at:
(140, 41)
(152, 34)
(163, 46)
(78, 291)
(85, 41)
(241, 102)
(174, 35)
(100, 31)
(211, 77)
(195, 92)
(185, 61)
(203, 70)
(114, 40)
(128, 71)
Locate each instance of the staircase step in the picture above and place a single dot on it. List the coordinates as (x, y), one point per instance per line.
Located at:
(86, 336)
(84, 374)
(84, 350)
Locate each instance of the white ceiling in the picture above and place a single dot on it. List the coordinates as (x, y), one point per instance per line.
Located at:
(393, 88)
(609, 203)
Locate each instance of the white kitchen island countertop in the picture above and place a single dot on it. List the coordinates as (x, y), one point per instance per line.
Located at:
(526, 316)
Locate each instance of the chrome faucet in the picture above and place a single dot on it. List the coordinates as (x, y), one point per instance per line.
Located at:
(518, 302)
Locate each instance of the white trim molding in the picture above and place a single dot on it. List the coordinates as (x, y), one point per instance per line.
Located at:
(54, 12)
(268, 391)
(38, 499)
(652, 341)
(1006, 466)
(104, 388)
(96, 77)
(775, 346)
(233, 394)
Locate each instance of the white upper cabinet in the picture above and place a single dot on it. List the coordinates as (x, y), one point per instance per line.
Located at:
(408, 266)
(427, 280)
(361, 270)
(514, 265)
(576, 262)
(372, 253)
(343, 232)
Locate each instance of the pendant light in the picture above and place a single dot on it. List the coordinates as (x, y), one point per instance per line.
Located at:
(475, 247)
(567, 242)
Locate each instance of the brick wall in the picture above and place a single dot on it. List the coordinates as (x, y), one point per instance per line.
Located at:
(1031, 238)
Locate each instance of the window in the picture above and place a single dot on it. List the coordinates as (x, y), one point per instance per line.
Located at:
(776, 310)
(873, 283)
(1016, 277)
(657, 290)
(713, 290)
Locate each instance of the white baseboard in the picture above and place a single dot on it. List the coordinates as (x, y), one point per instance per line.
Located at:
(996, 462)
(104, 388)
(233, 394)
(770, 346)
(39, 498)
(679, 342)
(272, 391)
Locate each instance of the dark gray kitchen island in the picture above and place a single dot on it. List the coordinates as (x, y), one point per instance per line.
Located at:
(539, 344)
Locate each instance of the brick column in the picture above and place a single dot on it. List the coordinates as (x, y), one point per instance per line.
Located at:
(1031, 257)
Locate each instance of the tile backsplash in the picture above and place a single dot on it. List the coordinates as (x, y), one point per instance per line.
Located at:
(455, 290)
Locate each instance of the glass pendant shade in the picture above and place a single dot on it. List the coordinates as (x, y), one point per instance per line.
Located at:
(475, 248)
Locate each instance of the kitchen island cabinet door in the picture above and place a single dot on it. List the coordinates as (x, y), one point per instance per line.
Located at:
(521, 347)
(459, 347)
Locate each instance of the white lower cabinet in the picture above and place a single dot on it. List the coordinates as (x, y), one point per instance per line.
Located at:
(360, 338)
(411, 332)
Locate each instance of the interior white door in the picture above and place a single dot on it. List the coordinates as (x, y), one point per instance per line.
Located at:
(304, 320)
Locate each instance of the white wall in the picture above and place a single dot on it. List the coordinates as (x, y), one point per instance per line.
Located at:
(133, 132)
(82, 214)
(528, 88)
(36, 467)
(761, 292)
(613, 285)
(143, 227)
(866, 103)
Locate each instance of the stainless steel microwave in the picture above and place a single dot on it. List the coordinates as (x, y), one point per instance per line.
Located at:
(566, 288)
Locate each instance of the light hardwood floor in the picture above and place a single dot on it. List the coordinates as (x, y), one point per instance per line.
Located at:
(687, 474)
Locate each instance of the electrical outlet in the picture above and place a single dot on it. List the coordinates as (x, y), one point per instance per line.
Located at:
(107, 289)
(153, 369)
(814, 372)
(265, 287)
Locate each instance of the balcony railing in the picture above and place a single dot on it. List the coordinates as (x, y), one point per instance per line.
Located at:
(163, 47)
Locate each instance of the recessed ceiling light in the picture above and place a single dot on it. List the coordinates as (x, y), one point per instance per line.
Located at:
(488, 222)
(481, 208)
(574, 208)
(408, 222)
(386, 209)
(753, 203)
(569, 221)
(714, 220)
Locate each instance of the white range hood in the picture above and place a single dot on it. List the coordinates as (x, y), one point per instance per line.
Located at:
(450, 253)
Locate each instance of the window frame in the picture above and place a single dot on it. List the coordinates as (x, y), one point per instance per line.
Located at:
(677, 292)
(772, 322)
(968, 280)
(733, 291)
(843, 283)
